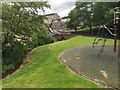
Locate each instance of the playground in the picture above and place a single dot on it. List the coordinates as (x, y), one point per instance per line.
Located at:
(98, 63)
(82, 51)
(84, 61)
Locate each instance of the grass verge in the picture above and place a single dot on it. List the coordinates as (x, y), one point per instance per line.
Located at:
(44, 70)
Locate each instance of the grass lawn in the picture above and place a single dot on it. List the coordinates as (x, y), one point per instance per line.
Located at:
(44, 69)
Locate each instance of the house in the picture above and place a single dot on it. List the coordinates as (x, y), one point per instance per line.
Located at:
(65, 19)
(54, 25)
(53, 21)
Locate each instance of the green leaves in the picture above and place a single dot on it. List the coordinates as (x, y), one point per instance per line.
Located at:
(22, 26)
(21, 18)
(74, 20)
(91, 14)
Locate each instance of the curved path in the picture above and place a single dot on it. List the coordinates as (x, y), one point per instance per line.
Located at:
(84, 61)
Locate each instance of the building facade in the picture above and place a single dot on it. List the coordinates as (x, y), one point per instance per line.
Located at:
(53, 21)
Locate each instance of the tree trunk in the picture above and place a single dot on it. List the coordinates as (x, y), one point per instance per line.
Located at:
(91, 30)
(75, 29)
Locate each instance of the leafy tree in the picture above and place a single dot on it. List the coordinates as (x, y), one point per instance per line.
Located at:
(90, 13)
(85, 11)
(81, 13)
(22, 19)
(74, 20)
(23, 29)
(102, 12)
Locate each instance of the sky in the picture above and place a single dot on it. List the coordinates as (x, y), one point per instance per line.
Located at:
(62, 7)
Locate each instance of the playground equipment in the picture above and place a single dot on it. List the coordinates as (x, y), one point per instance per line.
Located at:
(104, 30)
(102, 70)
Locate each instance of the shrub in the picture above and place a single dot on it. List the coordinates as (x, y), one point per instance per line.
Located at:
(12, 55)
(48, 39)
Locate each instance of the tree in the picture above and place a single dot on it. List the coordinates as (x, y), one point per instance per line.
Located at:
(22, 20)
(91, 13)
(102, 12)
(23, 29)
(85, 11)
(74, 21)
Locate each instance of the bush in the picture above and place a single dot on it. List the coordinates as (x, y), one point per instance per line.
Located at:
(48, 39)
(13, 54)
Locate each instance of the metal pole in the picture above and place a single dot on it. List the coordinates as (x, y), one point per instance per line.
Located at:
(118, 31)
(115, 42)
(116, 27)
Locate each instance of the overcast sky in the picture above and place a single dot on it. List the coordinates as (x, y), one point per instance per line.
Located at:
(62, 7)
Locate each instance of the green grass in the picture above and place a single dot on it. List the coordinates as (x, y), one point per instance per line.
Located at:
(44, 69)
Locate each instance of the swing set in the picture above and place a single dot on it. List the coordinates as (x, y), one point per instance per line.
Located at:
(104, 30)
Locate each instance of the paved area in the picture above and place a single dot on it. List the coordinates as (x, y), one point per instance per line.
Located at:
(84, 61)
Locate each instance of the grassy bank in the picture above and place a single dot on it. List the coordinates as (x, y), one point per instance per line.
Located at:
(44, 69)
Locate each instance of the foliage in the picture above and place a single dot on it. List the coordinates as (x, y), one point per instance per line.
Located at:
(12, 56)
(102, 12)
(22, 28)
(91, 14)
(74, 20)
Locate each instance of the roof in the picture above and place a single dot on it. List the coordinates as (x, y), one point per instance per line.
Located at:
(50, 14)
(66, 17)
